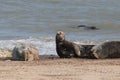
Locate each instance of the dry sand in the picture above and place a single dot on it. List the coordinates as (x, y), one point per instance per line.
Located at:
(61, 69)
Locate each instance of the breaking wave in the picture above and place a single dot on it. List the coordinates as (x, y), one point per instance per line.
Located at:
(46, 46)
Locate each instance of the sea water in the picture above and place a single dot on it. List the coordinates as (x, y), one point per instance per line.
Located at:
(37, 21)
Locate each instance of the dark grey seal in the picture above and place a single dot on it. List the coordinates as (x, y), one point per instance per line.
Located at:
(110, 49)
(88, 27)
(65, 48)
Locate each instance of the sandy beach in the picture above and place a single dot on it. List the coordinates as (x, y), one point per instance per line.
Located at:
(54, 68)
(84, 22)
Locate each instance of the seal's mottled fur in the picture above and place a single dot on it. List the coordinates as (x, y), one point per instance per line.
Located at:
(109, 49)
(87, 53)
(25, 52)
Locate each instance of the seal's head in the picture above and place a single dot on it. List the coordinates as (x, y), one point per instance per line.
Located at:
(60, 36)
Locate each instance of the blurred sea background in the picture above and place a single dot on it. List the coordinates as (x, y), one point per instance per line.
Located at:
(37, 21)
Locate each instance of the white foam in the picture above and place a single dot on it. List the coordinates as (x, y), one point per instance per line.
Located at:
(46, 46)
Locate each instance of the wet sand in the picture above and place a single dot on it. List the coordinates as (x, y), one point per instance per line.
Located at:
(54, 68)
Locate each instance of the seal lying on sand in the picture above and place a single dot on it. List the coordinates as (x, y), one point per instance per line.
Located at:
(25, 52)
(109, 49)
(66, 48)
